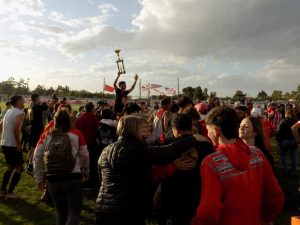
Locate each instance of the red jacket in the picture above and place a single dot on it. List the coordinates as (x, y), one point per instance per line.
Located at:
(88, 124)
(238, 188)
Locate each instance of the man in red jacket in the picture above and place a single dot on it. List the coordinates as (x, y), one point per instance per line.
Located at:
(88, 124)
(238, 185)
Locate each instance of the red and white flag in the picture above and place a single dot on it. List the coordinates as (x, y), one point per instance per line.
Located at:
(171, 91)
(108, 88)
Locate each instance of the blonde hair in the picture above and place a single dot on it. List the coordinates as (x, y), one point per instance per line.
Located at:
(128, 126)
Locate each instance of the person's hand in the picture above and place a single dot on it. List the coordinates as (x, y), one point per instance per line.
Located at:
(85, 174)
(136, 76)
(185, 163)
(40, 186)
(200, 138)
(19, 148)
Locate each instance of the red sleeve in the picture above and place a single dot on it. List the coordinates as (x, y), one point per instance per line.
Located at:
(273, 197)
(80, 136)
(45, 131)
(209, 209)
(161, 172)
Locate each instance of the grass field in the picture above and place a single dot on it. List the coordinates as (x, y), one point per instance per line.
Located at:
(29, 210)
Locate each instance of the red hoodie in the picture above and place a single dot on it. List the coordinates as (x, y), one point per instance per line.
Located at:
(238, 188)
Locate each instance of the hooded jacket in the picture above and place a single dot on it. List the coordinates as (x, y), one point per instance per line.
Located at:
(238, 187)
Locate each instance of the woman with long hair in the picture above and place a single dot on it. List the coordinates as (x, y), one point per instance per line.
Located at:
(125, 193)
(251, 132)
(63, 146)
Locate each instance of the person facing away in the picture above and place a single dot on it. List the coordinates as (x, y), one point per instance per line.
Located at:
(180, 193)
(125, 193)
(161, 122)
(287, 143)
(122, 93)
(238, 184)
(35, 116)
(65, 186)
(88, 124)
(11, 127)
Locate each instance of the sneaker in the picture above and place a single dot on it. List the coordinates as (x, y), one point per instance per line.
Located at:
(11, 195)
(2, 194)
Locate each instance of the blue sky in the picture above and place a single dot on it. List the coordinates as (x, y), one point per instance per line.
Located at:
(221, 45)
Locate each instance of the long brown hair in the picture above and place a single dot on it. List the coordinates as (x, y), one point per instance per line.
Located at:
(62, 121)
(258, 129)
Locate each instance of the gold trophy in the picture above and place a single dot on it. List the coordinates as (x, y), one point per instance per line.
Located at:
(120, 62)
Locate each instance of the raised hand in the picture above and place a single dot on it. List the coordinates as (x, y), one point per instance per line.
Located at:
(136, 76)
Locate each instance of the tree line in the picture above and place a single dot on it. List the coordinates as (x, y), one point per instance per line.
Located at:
(12, 86)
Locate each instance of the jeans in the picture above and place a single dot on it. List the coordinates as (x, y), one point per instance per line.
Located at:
(119, 219)
(291, 147)
(94, 153)
(67, 199)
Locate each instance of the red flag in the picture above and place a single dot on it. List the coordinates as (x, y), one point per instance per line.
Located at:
(108, 88)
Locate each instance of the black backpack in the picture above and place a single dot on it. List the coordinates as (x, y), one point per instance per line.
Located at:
(58, 156)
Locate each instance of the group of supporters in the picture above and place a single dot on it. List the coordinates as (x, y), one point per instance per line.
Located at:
(182, 163)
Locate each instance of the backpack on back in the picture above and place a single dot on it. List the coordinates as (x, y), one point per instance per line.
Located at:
(58, 156)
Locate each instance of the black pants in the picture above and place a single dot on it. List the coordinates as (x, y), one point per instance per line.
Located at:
(119, 219)
(67, 199)
(94, 153)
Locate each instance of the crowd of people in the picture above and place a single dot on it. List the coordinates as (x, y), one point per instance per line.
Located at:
(179, 162)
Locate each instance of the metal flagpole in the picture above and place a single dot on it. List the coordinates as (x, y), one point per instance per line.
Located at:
(178, 86)
(103, 84)
(140, 88)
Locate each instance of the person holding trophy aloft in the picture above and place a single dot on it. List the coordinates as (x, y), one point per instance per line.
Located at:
(120, 89)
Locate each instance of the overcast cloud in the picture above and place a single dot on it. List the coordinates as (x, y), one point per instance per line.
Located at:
(222, 45)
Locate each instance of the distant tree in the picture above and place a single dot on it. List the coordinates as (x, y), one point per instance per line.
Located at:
(40, 89)
(276, 95)
(198, 93)
(8, 86)
(297, 97)
(188, 91)
(239, 96)
(205, 93)
(262, 95)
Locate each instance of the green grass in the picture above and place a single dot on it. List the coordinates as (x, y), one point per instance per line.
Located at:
(29, 210)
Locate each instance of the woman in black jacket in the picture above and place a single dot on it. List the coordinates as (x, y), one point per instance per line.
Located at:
(125, 193)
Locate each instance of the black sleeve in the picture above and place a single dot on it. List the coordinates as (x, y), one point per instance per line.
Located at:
(44, 107)
(168, 153)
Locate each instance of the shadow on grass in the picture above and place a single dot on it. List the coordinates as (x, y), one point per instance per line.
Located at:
(26, 210)
(5, 219)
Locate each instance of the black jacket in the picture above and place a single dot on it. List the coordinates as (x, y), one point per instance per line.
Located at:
(181, 192)
(285, 130)
(126, 173)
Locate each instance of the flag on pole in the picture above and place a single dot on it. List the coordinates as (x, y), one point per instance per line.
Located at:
(171, 91)
(108, 88)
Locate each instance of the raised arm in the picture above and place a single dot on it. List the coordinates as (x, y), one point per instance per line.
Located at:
(116, 81)
(136, 77)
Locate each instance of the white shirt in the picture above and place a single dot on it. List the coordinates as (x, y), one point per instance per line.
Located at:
(9, 122)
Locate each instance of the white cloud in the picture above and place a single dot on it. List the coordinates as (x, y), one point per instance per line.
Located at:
(11, 9)
(107, 8)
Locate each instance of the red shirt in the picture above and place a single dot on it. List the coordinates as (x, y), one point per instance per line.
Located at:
(88, 124)
(238, 188)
